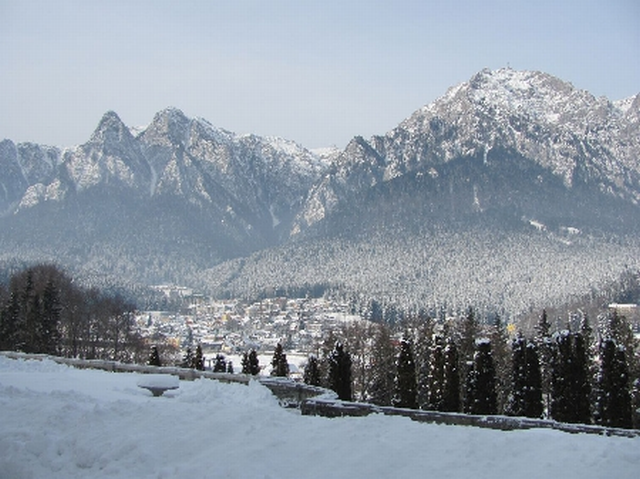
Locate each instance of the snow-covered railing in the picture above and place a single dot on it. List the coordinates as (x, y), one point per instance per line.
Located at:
(317, 401)
(289, 393)
(322, 406)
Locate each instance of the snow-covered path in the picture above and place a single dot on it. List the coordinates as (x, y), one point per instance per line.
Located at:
(60, 422)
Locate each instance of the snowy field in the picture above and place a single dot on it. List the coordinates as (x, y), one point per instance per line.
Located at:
(59, 422)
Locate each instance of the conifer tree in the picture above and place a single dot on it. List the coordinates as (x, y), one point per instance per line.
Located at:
(468, 337)
(311, 374)
(187, 359)
(533, 392)
(635, 403)
(526, 392)
(230, 367)
(279, 364)
(340, 372)
(244, 362)
(466, 343)
(451, 385)
(501, 359)
(481, 382)
(422, 327)
(254, 363)
(198, 359)
(405, 386)
(10, 324)
(382, 368)
(49, 332)
(580, 372)
(436, 380)
(545, 347)
(570, 386)
(220, 364)
(613, 404)
(516, 403)
(154, 357)
(560, 407)
(617, 327)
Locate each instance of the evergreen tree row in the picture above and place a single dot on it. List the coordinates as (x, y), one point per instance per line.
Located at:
(476, 369)
(43, 311)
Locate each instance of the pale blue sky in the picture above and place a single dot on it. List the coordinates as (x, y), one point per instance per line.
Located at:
(317, 72)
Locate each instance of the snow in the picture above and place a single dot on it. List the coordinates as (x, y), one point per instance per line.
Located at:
(60, 422)
(160, 381)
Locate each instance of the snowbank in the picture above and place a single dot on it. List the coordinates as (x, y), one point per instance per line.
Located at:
(60, 422)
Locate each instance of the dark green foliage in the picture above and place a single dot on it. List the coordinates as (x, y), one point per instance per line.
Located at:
(613, 404)
(250, 363)
(43, 311)
(580, 371)
(198, 359)
(435, 398)
(187, 359)
(340, 372)
(526, 386)
(312, 372)
(50, 322)
(502, 361)
(254, 363)
(570, 385)
(468, 336)
(154, 357)
(635, 403)
(382, 368)
(516, 405)
(545, 348)
(533, 392)
(423, 327)
(230, 367)
(406, 385)
(10, 324)
(480, 386)
(279, 364)
(220, 364)
(451, 385)
(561, 381)
(618, 328)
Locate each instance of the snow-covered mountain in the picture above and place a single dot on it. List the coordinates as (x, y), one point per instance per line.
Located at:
(507, 158)
(518, 139)
(180, 187)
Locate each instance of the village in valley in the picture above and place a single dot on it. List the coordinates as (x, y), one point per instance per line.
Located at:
(231, 327)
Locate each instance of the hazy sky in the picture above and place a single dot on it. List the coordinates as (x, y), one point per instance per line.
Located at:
(317, 72)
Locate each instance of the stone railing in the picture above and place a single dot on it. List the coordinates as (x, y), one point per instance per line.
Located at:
(317, 401)
(288, 392)
(320, 406)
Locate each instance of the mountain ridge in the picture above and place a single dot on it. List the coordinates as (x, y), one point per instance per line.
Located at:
(564, 130)
(516, 153)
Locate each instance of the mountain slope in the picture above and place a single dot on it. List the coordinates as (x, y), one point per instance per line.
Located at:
(179, 195)
(504, 138)
(512, 189)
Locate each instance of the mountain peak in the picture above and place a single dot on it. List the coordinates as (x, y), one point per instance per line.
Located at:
(110, 129)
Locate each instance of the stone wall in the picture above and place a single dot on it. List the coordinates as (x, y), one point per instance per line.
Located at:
(316, 401)
(320, 406)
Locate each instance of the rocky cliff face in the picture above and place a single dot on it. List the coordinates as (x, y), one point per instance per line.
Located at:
(507, 159)
(251, 185)
(528, 134)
